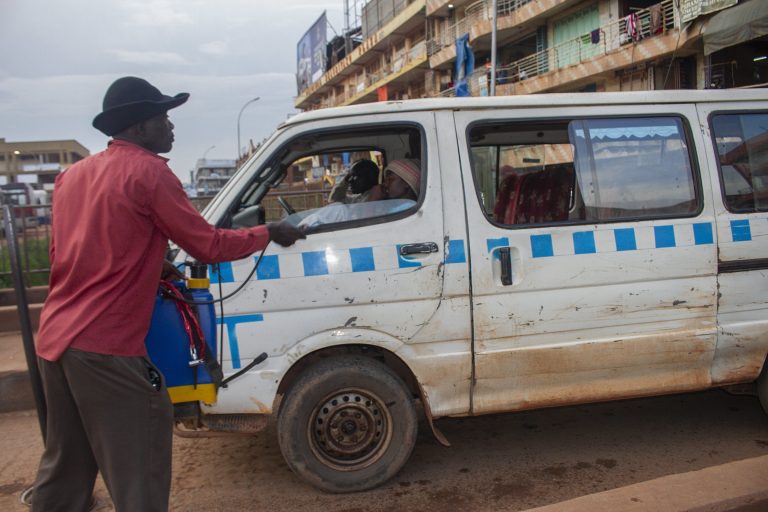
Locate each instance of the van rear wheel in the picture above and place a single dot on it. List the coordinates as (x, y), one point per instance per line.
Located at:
(347, 424)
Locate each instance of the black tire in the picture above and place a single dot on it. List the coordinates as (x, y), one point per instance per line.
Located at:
(347, 424)
(762, 386)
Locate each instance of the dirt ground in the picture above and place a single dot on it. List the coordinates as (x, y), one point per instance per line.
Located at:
(504, 462)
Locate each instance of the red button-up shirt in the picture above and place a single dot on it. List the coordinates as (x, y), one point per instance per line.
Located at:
(113, 214)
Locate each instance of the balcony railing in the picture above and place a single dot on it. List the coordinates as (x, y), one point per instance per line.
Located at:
(478, 11)
(646, 23)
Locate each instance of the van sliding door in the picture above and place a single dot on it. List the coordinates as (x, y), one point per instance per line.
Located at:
(593, 254)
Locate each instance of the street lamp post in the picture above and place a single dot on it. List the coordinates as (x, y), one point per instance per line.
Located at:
(238, 123)
(495, 10)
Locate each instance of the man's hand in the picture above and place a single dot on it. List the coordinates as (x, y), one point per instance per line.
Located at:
(170, 272)
(284, 233)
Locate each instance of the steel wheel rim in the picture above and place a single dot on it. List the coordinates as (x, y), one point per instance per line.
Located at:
(350, 429)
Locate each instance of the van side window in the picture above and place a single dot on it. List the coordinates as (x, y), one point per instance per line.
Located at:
(586, 170)
(327, 180)
(742, 149)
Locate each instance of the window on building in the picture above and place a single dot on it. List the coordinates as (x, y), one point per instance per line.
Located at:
(587, 170)
(742, 148)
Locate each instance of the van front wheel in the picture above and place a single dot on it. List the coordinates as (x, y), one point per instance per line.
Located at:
(347, 424)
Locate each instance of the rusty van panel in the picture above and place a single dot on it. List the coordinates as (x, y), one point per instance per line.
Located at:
(444, 372)
(629, 310)
(612, 368)
(742, 342)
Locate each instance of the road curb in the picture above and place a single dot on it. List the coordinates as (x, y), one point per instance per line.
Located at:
(9, 317)
(733, 487)
(15, 391)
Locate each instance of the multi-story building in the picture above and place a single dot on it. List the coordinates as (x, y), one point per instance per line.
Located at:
(37, 162)
(548, 46)
(210, 175)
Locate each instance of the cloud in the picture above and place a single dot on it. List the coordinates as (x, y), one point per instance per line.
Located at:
(149, 57)
(156, 13)
(215, 48)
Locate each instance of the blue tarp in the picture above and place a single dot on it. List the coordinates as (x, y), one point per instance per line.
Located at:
(465, 64)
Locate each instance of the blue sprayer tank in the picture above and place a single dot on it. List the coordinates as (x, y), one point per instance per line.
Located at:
(168, 344)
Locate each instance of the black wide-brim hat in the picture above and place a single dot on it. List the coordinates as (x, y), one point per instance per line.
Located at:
(131, 100)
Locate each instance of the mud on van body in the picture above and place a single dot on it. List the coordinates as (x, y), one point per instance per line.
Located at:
(563, 249)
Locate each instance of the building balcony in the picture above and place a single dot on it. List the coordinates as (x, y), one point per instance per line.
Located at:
(612, 47)
(440, 7)
(580, 60)
(513, 15)
(406, 68)
(408, 20)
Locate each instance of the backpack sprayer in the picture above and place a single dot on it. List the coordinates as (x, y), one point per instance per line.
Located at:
(181, 340)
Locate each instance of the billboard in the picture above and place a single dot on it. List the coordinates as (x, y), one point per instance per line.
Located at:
(310, 54)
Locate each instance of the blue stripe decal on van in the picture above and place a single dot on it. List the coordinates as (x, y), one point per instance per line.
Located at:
(231, 323)
(314, 263)
(493, 243)
(740, 231)
(625, 239)
(455, 252)
(224, 275)
(362, 259)
(665, 236)
(269, 268)
(541, 246)
(584, 242)
(702, 233)
(405, 262)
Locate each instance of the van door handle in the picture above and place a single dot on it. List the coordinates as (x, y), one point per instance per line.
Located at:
(506, 266)
(422, 248)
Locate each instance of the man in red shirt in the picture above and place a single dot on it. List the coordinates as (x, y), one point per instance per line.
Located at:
(113, 214)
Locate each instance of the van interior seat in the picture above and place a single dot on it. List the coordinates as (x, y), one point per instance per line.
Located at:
(506, 198)
(544, 196)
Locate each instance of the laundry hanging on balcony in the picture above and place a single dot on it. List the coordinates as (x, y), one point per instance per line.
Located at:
(632, 27)
(657, 19)
(465, 64)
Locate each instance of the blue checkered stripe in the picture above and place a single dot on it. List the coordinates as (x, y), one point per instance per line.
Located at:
(570, 243)
(329, 262)
(746, 230)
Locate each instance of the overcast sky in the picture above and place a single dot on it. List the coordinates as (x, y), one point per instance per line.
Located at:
(59, 57)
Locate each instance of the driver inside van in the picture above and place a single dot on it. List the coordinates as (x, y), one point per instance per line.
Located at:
(362, 177)
(398, 192)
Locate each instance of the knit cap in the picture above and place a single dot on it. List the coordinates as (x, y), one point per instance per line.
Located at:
(409, 170)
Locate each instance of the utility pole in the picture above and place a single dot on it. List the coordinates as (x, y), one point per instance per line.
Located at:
(493, 48)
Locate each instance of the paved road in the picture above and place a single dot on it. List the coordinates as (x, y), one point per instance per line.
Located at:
(503, 462)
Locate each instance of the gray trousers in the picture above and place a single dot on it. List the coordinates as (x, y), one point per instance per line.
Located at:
(104, 415)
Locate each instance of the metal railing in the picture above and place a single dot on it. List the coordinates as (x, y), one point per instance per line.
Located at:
(474, 13)
(587, 46)
(33, 231)
(721, 75)
(33, 238)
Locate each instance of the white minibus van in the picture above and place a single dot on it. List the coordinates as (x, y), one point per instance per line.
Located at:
(556, 249)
